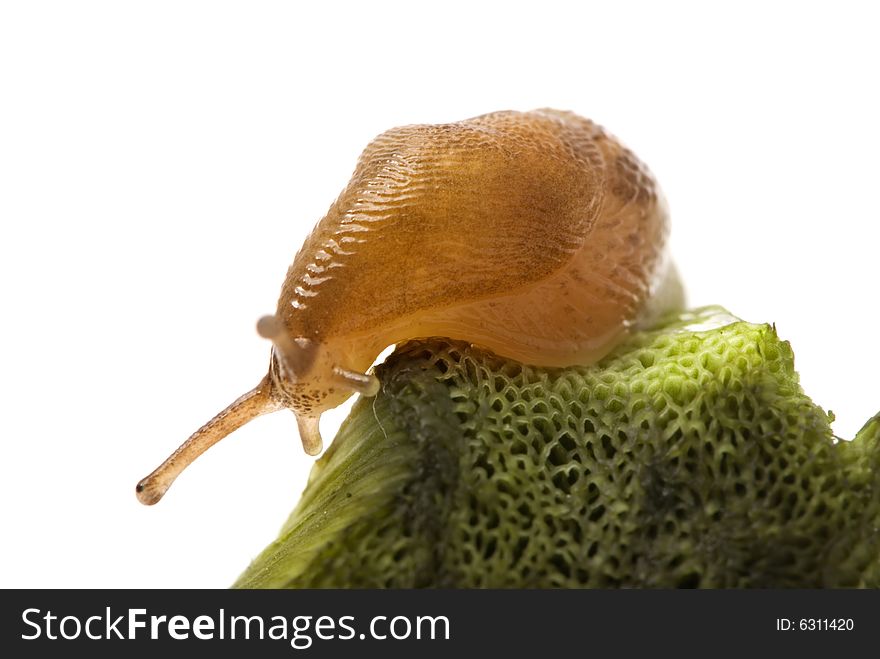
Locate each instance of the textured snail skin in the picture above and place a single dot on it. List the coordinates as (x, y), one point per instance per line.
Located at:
(535, 235)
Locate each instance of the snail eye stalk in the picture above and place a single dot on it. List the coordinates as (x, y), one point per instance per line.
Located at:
(256, 402)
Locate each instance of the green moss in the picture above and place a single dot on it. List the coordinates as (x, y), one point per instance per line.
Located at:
(688, 457)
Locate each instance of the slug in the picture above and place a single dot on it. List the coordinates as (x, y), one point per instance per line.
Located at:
(536, 235)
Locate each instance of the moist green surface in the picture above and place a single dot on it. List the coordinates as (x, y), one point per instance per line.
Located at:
(690, 457)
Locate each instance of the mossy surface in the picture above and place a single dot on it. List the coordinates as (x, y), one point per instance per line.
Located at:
(688, 457)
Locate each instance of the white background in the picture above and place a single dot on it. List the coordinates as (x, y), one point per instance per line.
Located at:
(161, 163)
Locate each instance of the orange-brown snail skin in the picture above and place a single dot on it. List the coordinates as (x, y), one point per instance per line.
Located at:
(536, 235)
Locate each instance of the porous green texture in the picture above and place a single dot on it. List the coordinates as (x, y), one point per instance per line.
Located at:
(688, 457)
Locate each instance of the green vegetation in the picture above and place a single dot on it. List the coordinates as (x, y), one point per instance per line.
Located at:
(688, 457)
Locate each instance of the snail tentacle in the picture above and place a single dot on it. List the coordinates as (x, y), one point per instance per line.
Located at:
(310, 433)
(256, 402)
(365, 384)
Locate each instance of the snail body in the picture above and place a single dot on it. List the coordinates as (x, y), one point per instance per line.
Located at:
(536, 235)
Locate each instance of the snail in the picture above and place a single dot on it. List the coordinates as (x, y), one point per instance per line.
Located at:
(535, 235)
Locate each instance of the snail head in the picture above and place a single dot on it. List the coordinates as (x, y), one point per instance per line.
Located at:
(302, 377)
